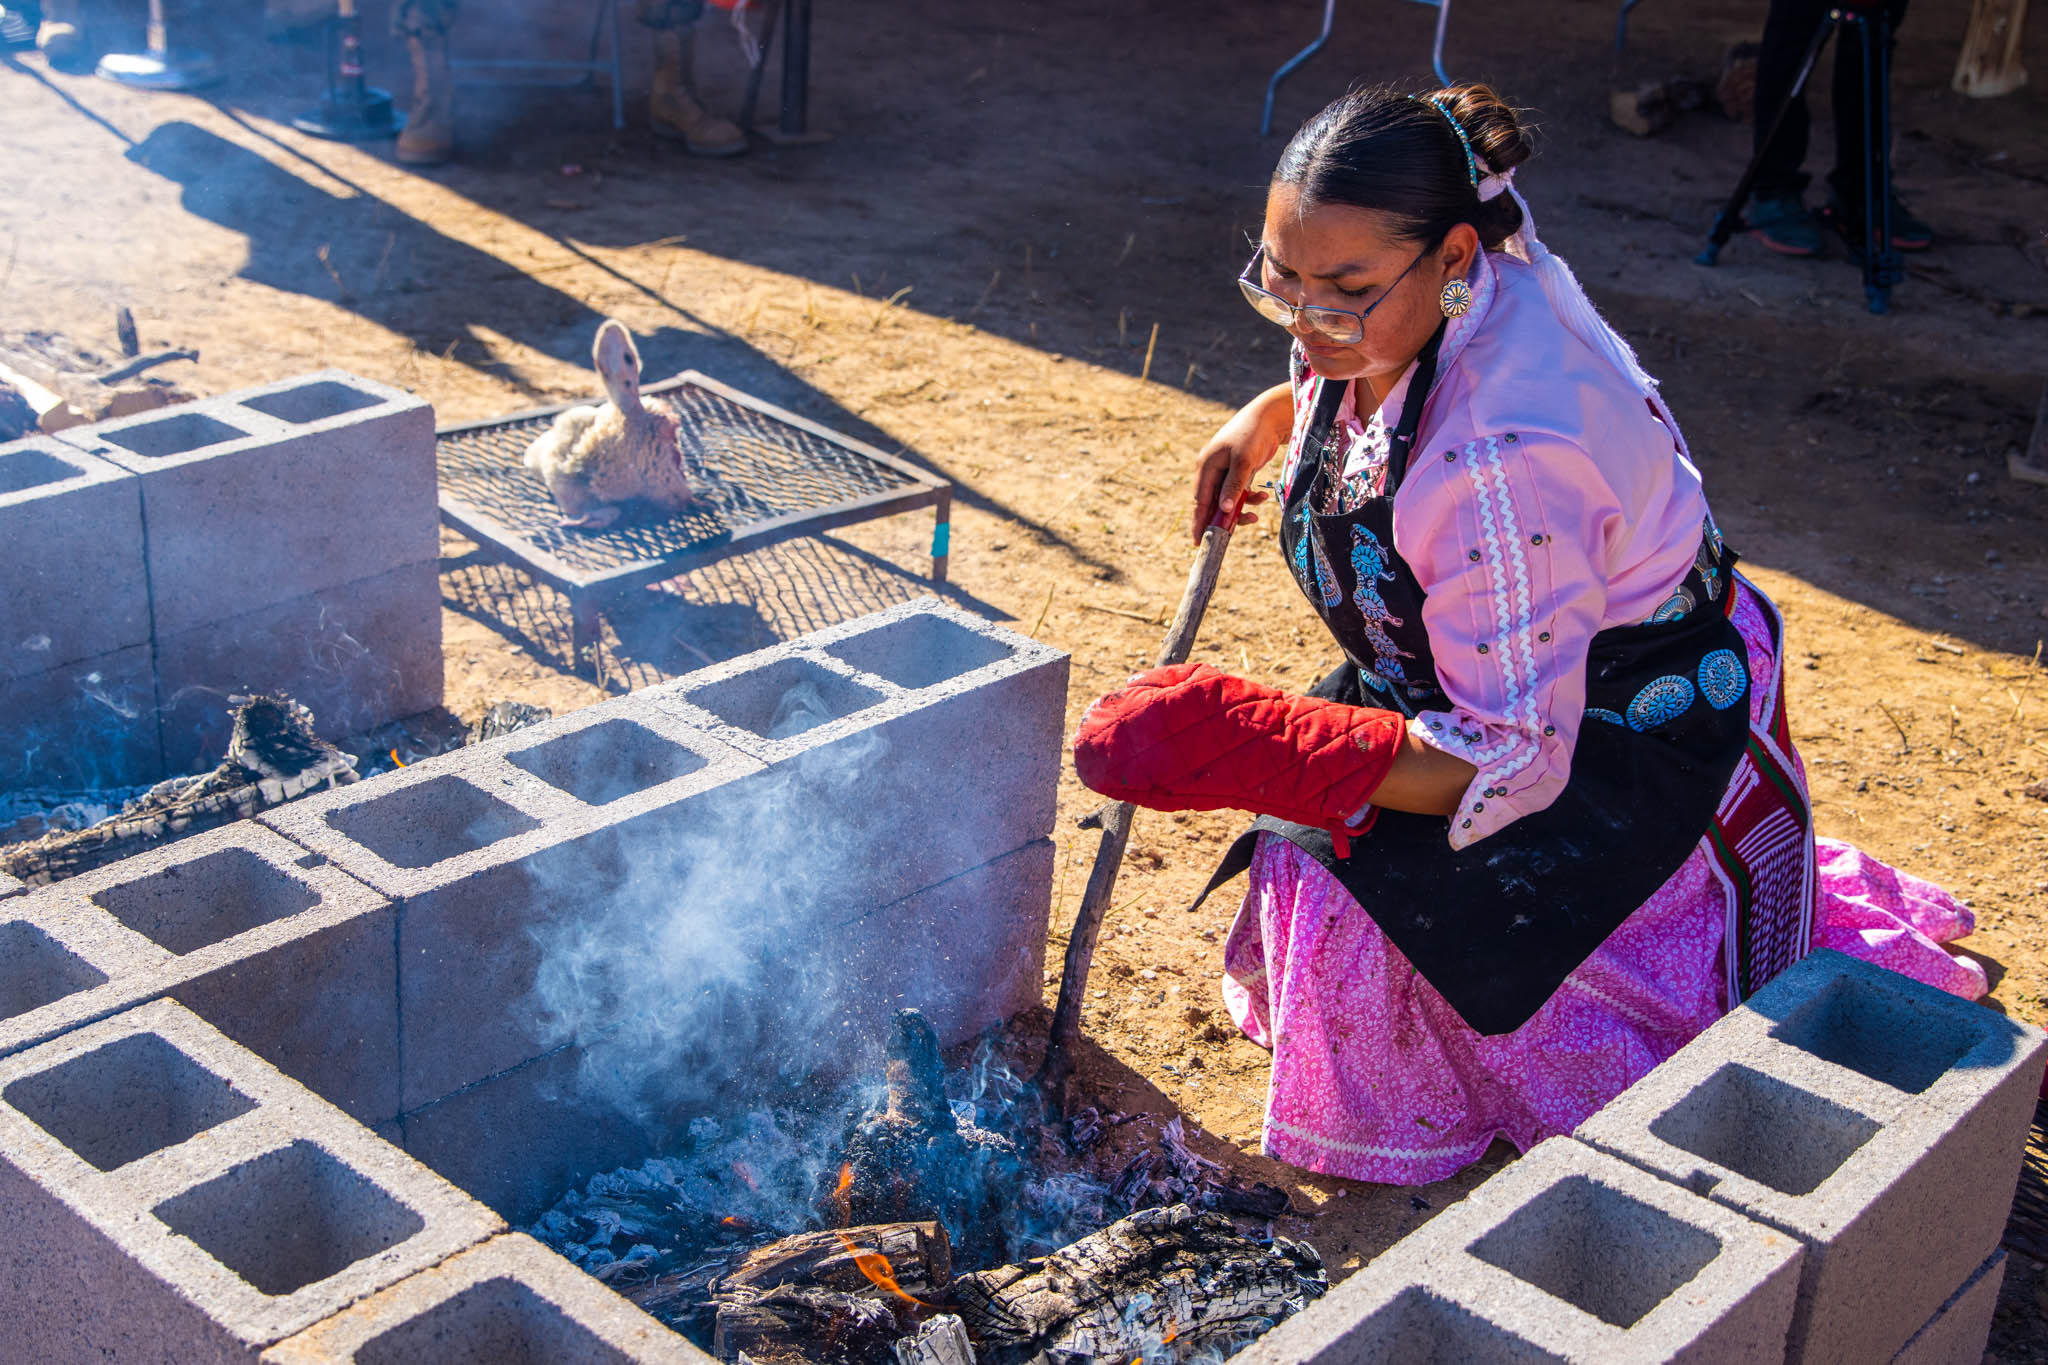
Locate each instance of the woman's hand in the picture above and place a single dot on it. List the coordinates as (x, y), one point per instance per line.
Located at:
(1240, 448)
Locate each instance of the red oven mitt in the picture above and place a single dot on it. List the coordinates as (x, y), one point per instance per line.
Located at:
(1190, 737)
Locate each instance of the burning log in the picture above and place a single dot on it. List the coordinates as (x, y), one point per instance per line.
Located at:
(911, 1259)
(273, 756)
(1170, 1278)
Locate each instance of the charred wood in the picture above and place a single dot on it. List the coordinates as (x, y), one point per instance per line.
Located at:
(1174, 1173)
(273, 756)
(506, 717)
(942, 1341)
(1172, 1278)
(917, 1256)
(911, 1160)
(794, 1325)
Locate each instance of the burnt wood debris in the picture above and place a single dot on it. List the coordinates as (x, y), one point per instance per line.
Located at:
(273, 756)
(905, 1193)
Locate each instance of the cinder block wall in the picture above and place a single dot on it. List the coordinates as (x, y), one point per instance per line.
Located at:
(281, 538)
(818, 835)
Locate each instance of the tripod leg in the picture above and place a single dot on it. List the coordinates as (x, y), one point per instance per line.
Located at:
(1729, 220)
(1882, 265)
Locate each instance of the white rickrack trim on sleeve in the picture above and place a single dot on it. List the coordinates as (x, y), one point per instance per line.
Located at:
(1503, 748)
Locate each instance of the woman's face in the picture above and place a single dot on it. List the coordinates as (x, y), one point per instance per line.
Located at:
(1337, 256)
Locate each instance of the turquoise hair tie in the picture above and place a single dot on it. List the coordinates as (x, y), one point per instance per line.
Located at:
(1471, 160)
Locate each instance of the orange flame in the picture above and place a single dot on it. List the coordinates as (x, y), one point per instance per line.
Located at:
(841, 1201)
(876, 1267)
(396, 759)
(1172, 1331)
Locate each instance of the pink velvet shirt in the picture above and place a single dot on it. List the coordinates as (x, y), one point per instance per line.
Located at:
(1544, 503)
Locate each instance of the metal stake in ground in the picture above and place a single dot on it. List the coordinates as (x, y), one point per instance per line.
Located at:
(1115, 822)
(159, 67)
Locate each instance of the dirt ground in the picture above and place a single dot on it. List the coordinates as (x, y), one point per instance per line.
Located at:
(1012, 263)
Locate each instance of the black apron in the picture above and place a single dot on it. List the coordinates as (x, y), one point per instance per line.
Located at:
(1496, 926)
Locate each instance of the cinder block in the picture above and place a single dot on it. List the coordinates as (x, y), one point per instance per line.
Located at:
(548, 1133)
(925, 782)
(1956, 1334)
(967, 952)
(606, 867)
(480, 852)
(289, 957)
(1880, 1121)
(1566, 1255)
(356, 655)
(507, 1302)
(268, 495)
(86, 725)
(71, 554)
(173, 1198)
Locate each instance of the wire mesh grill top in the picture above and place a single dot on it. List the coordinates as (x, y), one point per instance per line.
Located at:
(758, 466)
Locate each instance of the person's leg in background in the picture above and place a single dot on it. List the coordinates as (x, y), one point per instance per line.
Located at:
(61, 36)
(1778, 216)
(673, 109)
(1851, 152)
(428, 137)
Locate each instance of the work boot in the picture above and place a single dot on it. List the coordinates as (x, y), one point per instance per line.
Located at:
(673, 110)
(284, 20)
(428, 138)
(61, 37)
(1781, 222)
(1909, 233)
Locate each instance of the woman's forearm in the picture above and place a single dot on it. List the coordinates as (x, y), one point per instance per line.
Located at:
(1424, 780)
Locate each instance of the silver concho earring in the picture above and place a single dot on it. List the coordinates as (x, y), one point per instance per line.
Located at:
(1456, 298)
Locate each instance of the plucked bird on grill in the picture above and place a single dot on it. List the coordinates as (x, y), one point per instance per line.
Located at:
(599, 456)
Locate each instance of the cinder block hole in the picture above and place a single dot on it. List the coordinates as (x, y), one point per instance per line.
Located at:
(785, 698)
(289, 1218)
(1765, 1129)
(609, 760)
(1598, 1250)
(36, 969)
(174, 435)
(119, 1103)
(189, 905)
(312, 402)
(498, 1322)
(1885, 1035)
(25, 469)
(1419, 1327)
(423, 825)
(919, 651)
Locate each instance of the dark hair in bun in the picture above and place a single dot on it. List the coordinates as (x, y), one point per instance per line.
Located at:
(1397, 155)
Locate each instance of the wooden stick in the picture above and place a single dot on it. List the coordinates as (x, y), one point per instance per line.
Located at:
(1058, 1067)
(1150, 346)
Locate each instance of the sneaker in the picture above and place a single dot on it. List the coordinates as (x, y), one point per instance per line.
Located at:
(1782, 223)
(1909, 233)
(18, 25)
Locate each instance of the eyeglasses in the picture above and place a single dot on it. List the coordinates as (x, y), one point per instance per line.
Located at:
(1339, 325)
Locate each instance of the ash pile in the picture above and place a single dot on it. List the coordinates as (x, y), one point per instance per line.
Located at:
(935, 1218)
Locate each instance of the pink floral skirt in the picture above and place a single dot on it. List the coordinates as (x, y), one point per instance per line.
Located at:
(1376, 1078)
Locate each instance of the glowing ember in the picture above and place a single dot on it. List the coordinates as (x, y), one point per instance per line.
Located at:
(396, 759)
(739, 1168)
(876, 1267)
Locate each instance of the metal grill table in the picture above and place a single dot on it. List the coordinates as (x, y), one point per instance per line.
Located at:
(774, 476)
